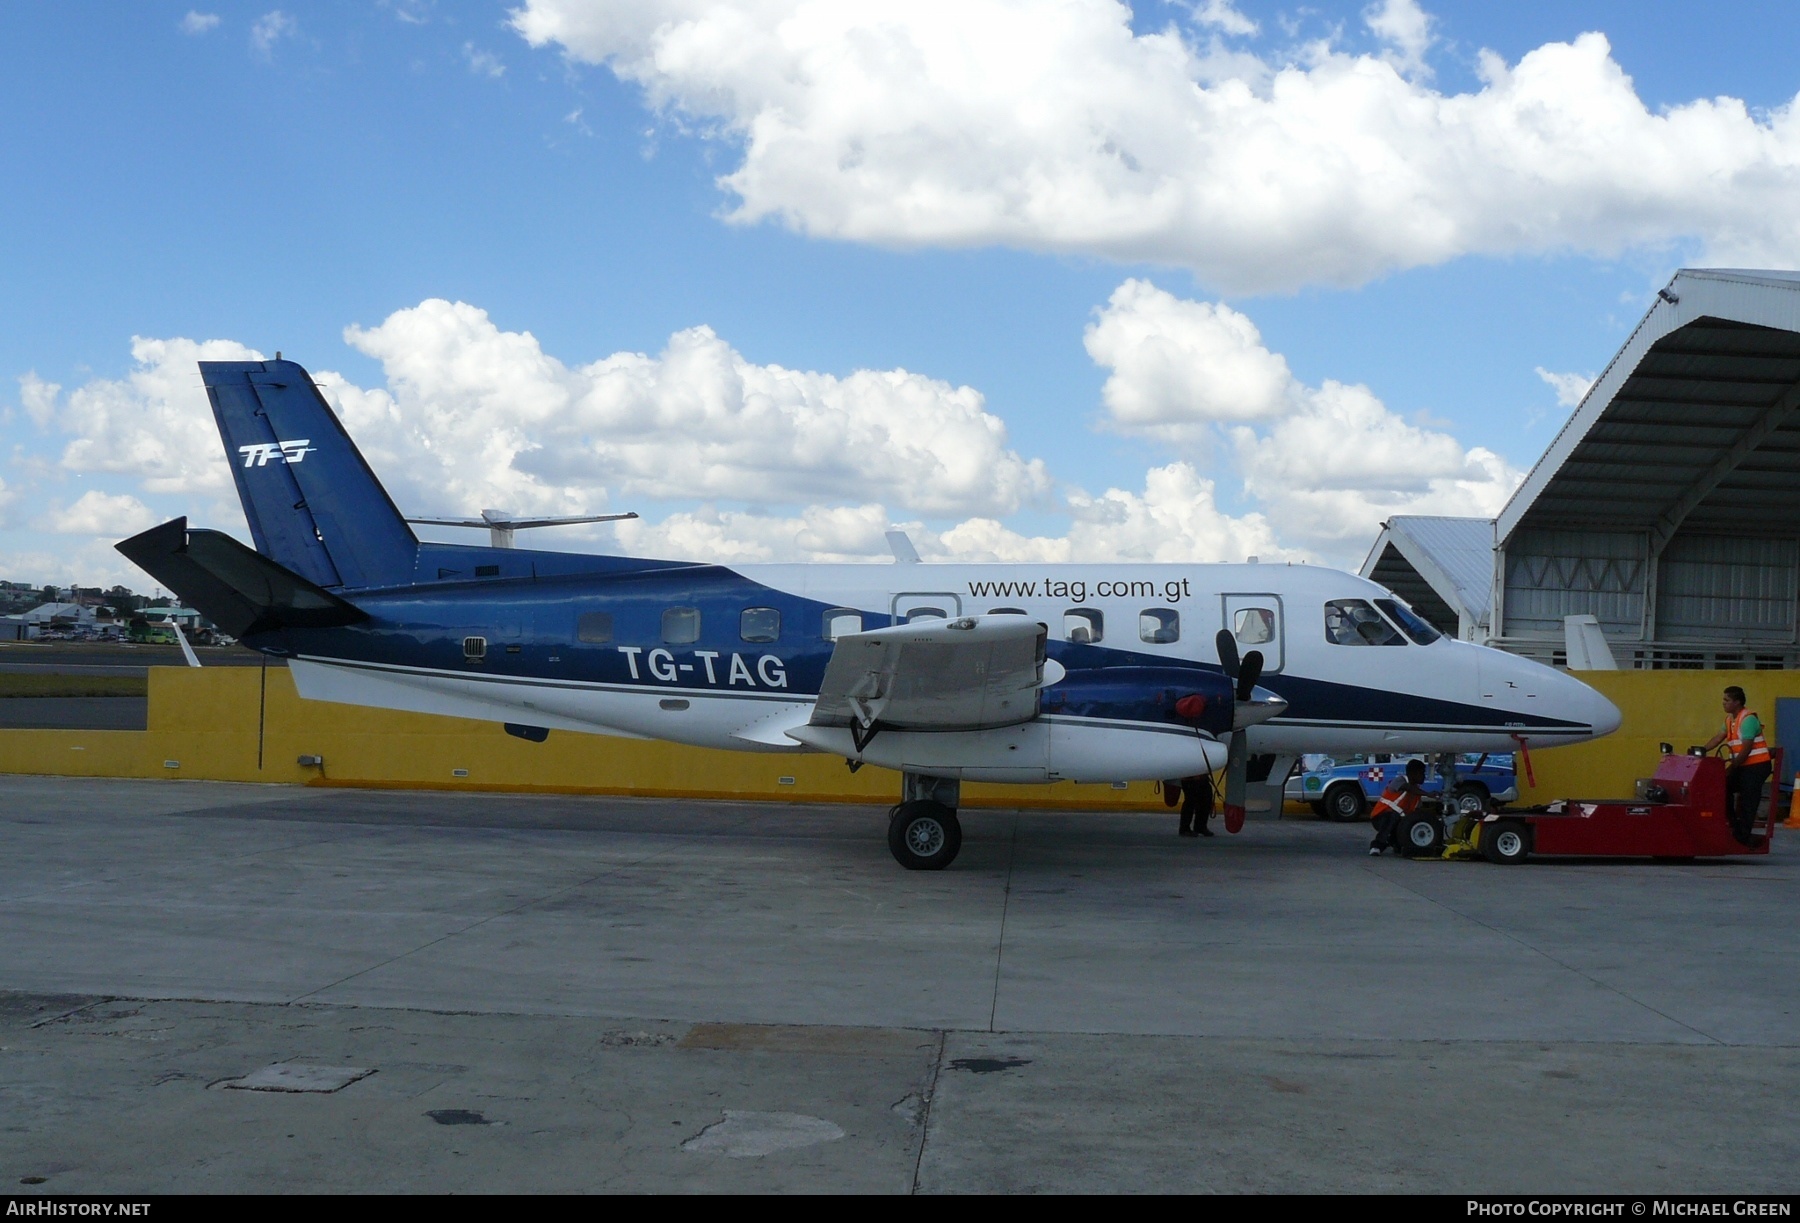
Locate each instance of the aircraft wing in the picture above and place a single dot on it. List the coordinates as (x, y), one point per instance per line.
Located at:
(973, 673)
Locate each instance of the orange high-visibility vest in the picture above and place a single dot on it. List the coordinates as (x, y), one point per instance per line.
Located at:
(1395, 798)
(1734, 742)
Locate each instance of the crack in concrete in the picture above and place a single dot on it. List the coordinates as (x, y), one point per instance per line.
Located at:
(1012, 855)
(937, 1064)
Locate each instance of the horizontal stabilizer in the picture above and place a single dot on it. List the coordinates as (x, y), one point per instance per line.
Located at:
(239, 590)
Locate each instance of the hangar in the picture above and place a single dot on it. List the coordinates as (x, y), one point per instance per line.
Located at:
(1667, 508)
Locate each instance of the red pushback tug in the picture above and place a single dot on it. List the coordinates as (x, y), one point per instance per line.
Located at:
(1679, 813)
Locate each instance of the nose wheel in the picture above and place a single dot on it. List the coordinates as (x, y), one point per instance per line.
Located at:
(924, 835)
(1420, 836)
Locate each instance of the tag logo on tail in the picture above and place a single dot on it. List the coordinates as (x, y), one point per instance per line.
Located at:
(261, 453)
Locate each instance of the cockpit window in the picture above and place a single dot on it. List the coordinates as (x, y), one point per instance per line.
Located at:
(1354, 622)
(1415, 625)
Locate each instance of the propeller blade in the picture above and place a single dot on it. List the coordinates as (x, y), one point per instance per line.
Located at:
(1248, 673)
(1237, 767)
(1228, 655)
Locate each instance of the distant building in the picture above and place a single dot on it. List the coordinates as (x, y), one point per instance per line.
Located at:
(45, 614)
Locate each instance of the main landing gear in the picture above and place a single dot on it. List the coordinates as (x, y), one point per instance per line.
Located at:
(923, 831)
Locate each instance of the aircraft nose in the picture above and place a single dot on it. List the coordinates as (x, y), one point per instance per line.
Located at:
(1606, 716)
(1596, 710)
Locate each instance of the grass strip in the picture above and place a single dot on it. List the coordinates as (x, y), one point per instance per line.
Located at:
(73, 685)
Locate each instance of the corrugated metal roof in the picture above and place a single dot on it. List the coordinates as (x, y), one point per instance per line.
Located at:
(1462, 547)
(1695, 425)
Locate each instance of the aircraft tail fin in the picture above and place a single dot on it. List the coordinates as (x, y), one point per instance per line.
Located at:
(313, 504)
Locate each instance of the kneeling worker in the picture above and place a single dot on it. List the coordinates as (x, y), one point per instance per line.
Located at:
(1748, 765)
(1399, 800)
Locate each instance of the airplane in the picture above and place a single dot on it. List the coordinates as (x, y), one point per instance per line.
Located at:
(1024, 673)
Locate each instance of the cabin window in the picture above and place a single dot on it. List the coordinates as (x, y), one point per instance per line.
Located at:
(594, 627)
(1159, 625)
(1253, 626)
(1415, 625)
(841, 620)
(925, 613)
(759, 624)
(474, 648)
(1083, 626)
(1007, 611)
(1354, 622)
(681, 626)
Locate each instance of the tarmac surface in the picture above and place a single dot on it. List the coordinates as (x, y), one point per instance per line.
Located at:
(468, 992)
(75, 713)
(115, 658)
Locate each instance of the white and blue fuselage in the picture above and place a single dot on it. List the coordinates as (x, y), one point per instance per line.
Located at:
(731, 658)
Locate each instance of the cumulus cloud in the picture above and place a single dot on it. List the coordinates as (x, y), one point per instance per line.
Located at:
(1327, 464)
(1569, 388)
(1406, 29)
(154, 424)
(1223, 16)
(820, 533)
(271, 28)
(1175, 518)
(1178, 366)
(38, 398)
(197, 22)
(99, 513)
(1056, 127)
(1330, 473)
(483, 63)
(476, 416)
(792, 464)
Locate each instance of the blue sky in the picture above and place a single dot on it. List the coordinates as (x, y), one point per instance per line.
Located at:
(274, 176)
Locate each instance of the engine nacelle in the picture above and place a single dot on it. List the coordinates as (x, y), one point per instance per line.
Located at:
(1179, 696)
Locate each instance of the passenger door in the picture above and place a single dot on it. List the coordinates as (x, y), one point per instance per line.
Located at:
(1255, 620)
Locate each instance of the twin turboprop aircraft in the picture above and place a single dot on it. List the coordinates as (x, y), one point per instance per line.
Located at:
(1008, 673)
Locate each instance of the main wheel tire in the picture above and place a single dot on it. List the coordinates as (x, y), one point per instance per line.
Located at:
(1420, 836)
(1345, 802)
(1505, 842)
(1471, 799)
(924, 836)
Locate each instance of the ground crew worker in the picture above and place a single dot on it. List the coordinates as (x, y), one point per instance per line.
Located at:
(1399, 800)
(1196, 805)
(1748, 763)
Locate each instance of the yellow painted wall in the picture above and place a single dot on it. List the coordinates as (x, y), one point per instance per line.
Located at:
(1676, 707)
(204, 724)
